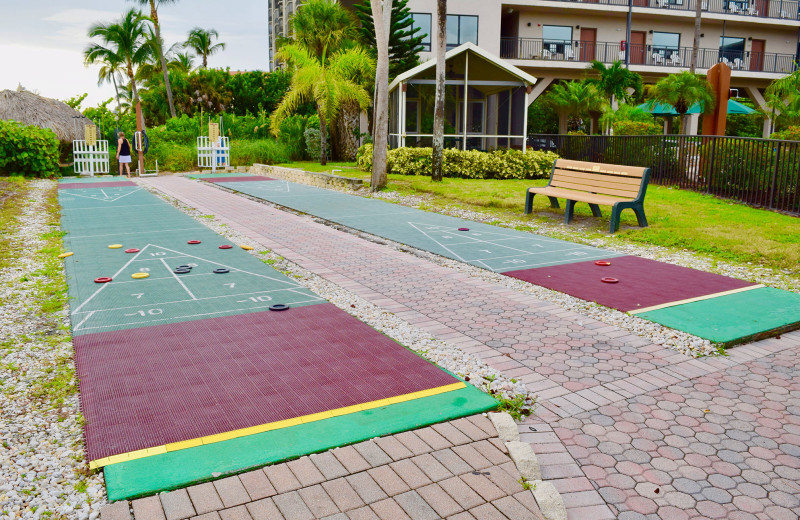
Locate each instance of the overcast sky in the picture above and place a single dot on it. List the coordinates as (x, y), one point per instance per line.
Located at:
(42, 41)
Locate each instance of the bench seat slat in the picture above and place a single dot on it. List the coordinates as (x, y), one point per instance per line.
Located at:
(581, 196)
(602, 190)
(610, 179)
(614, 169)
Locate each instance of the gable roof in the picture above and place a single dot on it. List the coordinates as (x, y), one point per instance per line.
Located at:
(463, 48)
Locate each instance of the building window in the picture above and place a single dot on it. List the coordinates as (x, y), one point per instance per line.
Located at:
(731, 49)
(556, 37)
(461, 29)
(666, 44)
(422, 21)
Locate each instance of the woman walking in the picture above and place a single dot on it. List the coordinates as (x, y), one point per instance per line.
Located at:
(124, 154)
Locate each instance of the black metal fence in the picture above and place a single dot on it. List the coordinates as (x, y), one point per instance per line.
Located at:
(609, 52)
(759, 172)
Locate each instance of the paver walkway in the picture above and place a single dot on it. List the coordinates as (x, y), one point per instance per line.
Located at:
(580, 368)
(458, 470)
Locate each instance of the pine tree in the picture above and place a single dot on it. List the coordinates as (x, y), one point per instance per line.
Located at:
(404, 43)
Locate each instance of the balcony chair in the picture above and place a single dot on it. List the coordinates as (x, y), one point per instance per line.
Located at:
(658, 59)
(737, 63)
(546, 55)
(675, 59)
(569, 54)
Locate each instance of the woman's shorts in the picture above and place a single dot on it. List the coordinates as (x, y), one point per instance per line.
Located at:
(124, 159)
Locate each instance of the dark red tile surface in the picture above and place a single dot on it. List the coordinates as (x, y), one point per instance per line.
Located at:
(237, 179)
(642, 282)
(82, 185)
(156, 385)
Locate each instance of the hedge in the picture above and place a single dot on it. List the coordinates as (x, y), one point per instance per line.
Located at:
(471, 164)
(28, 150)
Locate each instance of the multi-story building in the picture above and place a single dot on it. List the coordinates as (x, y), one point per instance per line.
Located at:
(556, 39)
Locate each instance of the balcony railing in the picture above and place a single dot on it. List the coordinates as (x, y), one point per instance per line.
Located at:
(609, 52)
(782, 9)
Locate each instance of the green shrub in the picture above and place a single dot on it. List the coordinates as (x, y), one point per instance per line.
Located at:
(28, 150)
(789, 134)
(172, 157)
(628, 127)
(472, 164)
(290, 134)
(263, 151)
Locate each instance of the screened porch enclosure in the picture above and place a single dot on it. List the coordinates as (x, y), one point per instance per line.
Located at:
(485, 103)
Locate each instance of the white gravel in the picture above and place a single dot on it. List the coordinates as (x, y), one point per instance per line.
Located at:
(43, 472)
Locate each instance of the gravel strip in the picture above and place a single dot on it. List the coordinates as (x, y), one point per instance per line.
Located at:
(43, 471)
(440, 352)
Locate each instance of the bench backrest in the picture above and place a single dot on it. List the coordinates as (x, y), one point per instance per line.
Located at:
(606, 179)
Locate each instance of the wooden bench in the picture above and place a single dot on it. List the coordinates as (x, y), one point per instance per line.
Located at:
(620, 187)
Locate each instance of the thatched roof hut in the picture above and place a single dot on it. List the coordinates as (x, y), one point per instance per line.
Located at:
(31, 109)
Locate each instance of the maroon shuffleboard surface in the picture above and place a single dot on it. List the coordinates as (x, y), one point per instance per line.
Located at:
(87, 185)
(237, 179)
(151, 386)
(642, 282)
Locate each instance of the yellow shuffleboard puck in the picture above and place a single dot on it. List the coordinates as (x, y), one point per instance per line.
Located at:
(140, 275)
(115, 246)
(246, 248)
(64, 255)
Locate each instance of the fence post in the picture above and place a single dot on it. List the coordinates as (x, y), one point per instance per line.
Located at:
(661, 159)
(774, 176)
(711, 168)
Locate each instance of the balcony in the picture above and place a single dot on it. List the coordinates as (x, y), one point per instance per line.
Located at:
(647, 55)
(778, 9)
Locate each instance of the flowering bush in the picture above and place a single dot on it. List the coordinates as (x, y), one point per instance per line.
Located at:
(789, 134)
(627, 127)
(471, 164)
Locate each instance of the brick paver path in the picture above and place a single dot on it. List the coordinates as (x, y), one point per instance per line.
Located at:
(579, 367)
(458, 470)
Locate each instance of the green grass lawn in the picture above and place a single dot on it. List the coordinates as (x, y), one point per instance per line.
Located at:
(678, 218)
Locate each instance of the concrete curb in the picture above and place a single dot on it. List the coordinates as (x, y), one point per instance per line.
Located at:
(505, 426)
(527, 464)
(549, 500)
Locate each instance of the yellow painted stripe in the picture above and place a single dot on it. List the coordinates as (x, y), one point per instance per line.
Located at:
(698, 299)
(277, 425)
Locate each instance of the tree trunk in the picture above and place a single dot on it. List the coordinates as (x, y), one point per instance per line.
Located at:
(344, 140)
(698, 15)
(139, 115)
(323, 139)
(563, 123)
(154, 17)
(438, 111)
(116, 91)
(381, 17)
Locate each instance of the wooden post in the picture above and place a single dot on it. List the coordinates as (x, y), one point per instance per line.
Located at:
(719, 76)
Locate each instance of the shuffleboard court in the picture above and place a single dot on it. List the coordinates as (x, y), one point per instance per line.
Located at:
(177, 347)
(241, 178)
(637, 284)
(98, 185)
(641, 282)
(489, 247)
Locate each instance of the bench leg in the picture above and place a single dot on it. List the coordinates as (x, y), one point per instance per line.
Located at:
(595, 210)
(529, 202)
(615, 211)
(639, 210)
(553, 202)
(570, 204)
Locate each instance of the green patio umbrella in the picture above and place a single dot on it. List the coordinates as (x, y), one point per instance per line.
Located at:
(664, 109)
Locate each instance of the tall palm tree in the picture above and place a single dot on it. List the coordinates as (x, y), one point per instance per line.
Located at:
(159, 48)
(437, 161)
(382, 15)
(615, 81)
(110, 69)
(683, 90)
(201, 42)
(572, 98)
(323, 27)
(698, 17)
(327, 84)
(181, 62)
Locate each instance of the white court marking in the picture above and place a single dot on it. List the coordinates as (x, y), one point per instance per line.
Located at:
(105, 197)
(145, 248)
(270, 186)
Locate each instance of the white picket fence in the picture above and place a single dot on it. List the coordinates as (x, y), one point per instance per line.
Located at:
(90, 160)
(213, 156)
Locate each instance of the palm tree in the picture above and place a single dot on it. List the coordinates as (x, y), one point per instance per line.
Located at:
(128, 40)
(382, 16)
(615, 81)
(154, 4)
(437, 162)
(323, 27)
(783, 99)
(110, 70)
(572, 98)
(683, 90)
(181, 62)
(327, 84)
(201, 42)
